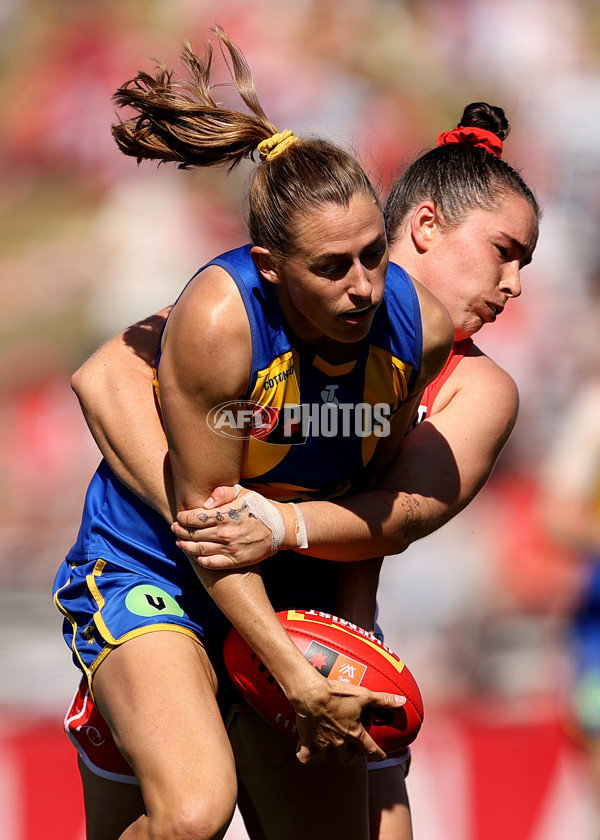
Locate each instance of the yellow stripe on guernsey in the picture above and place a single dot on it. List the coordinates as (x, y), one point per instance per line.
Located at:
(386, 380)
(275, 387)
(292, 615)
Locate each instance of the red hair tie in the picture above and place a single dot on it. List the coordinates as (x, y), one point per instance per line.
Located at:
(478, 137)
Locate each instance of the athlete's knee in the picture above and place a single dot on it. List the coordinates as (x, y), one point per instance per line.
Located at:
(196, 820)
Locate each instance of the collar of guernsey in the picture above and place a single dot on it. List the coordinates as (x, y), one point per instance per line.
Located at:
(286, 372)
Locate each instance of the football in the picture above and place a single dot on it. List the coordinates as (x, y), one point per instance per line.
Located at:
(341, 651)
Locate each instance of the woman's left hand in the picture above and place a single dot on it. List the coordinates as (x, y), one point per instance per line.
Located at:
(224, 537)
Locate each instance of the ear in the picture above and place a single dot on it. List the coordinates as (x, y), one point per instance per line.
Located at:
(266, 263)
(424, 225)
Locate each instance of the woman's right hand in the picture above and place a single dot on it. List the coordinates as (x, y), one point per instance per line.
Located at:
(328, 717)
(224, 534)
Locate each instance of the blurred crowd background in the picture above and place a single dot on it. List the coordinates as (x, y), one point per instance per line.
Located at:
(90, 242)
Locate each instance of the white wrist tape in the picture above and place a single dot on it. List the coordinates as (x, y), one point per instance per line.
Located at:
(301, 535)
(268, 514)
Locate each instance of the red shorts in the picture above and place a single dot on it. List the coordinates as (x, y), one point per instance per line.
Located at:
(93, 739)
(94, 742)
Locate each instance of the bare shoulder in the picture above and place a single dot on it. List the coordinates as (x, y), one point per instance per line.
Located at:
(488, 375)
(213, 297)
(208, 332)
(480, 381)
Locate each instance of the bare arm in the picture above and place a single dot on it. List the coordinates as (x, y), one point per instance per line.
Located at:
(200, 369)
(356, 592)
(444, 462)
(114, 388)
(441, 465)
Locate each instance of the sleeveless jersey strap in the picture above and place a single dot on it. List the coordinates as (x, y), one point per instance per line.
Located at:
(457, 354)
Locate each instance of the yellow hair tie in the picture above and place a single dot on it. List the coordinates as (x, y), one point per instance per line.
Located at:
(273, 146)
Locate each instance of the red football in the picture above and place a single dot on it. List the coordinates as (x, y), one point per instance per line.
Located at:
(340, 651)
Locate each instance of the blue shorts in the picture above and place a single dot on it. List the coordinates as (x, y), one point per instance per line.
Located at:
(105, 605)
(125, 577)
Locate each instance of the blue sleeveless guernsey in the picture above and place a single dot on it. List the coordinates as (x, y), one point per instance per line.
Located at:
(322, 405)
(320, 425)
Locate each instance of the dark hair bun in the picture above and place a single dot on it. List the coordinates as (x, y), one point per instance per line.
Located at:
(489, 117)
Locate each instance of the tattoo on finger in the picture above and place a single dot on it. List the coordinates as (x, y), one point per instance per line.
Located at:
(220, 516)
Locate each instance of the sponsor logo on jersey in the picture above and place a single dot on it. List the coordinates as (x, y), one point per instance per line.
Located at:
(328, 394)
(274, 380)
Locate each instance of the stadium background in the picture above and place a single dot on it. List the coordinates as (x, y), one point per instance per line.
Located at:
(89, 243)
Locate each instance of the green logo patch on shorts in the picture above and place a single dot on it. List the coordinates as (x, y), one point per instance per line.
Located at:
(148, 600)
